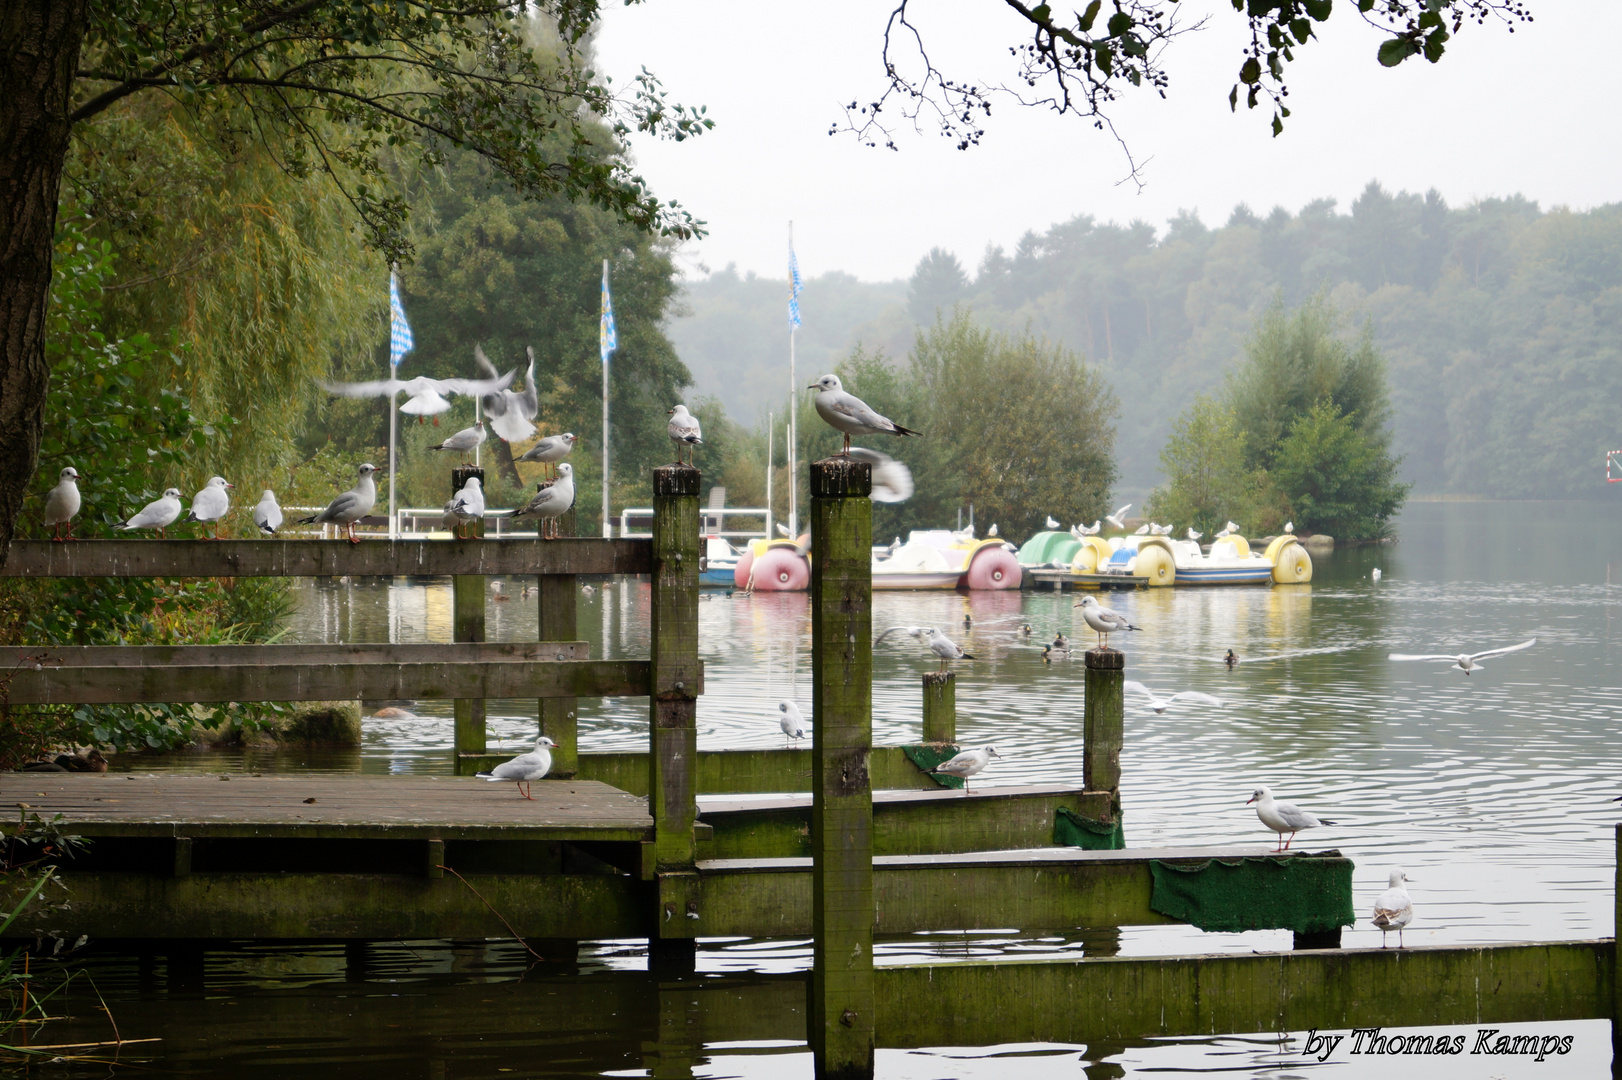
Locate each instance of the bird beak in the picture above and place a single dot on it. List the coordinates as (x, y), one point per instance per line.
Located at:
(1250, 800)
(814, 386)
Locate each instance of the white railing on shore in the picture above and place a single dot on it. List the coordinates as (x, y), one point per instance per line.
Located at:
(638, 521)
(424, 523)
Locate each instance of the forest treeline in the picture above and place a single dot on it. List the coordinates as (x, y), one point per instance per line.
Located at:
(1500, 323)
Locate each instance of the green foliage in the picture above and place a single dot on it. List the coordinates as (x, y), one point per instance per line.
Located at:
(1207, 481)
(1338, 479)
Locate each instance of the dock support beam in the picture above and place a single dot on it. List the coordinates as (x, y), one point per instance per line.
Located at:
(940, 707)
(467, 624)
(840, 1014)
(673, 715)
(556, 596)
(1616, 966)
(1104, 723)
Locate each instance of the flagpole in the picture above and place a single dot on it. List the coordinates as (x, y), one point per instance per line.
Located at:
(793, 410)
(770, 434)
(394, 522)
(400, 343)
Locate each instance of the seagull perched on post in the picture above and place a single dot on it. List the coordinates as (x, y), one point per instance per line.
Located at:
(158, 514)
(1467, 662)
(211, 504)
(351, 506)
(1103, 620)
(967, 764)
(1118, 519)
(947, 649)
(62, 503)
(551, 450)
(791, 721)
(268, 513)
(1160, 705)
(551, 501)
(524, 768)
(851, 415)
(684, 432)
(1282, 817)
(465, 507)
(1394, 909)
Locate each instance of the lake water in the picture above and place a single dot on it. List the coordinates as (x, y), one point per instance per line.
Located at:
(1492, 791)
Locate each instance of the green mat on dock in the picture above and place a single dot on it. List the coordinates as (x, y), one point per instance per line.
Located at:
(1070, 829)
(928, 755)
(1307, 893)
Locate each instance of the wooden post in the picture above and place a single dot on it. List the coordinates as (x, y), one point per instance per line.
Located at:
(1103, 727)
(839, 1017)
(556, 595)
(940, 707)
(673, 711)
(1616, 966)
(467, 624)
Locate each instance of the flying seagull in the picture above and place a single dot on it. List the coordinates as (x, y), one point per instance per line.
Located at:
(1467, 662)
(510, 414)
(1160, 704)
(849, 414)
(424, 396)
(892, 481)
(1118, 519)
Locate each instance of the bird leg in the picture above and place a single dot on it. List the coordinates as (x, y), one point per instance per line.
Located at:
(353, 539)
(846, 452)
(526, 793)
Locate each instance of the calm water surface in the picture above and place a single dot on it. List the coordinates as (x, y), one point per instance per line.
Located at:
(1491, 790)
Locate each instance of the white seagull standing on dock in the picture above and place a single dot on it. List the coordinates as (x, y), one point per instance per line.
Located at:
(268, 513)
(158, 514)
(211, 504)
(1394, 909)
(1103, 620)
(967, 764)
(1467, 662)
(791, 722)
(684, 432)
(524, 768)
(849, 414)
(1160, 704)
(466, 441)
(552, 449)
(351, 506)
(551, 501)
(1282, 817)
(62, 503)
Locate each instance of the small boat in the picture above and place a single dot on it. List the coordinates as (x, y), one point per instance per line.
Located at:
(943, 559)
(1164, 561)
(720, 563)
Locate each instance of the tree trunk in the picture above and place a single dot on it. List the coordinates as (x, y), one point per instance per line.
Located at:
(39, 52)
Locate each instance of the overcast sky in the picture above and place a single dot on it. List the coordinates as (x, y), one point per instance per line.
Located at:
(1533, 112)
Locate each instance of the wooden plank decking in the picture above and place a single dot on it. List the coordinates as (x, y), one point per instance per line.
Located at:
(325, 806)
(324, 558)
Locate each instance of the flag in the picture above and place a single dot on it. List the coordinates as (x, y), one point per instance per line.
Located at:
(399, 330)
(608, 338)
(793, 288)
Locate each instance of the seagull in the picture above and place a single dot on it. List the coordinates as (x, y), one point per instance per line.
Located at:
(465, 441)
(424, 396)
(1142, 530)
(684, 431)
(1118, 519)
(1162, 530)
(524, 768)
(62, 503)
(1051, 523)
(1192, 535)
(1394, 909)
(1374, 575)
(1091, 530)
(158, 514)
(892, 481)
(993, 530)
(268, 513)
(1467, 662)
(465, 507)
(587, 591)
(551, 450)
(351, 506)
(1223, 534)
(500, 593)
(211, 504)
(551, 500)
(1282, 817)
(1289, 527)
(967, 764)
(510, 413)
(947, 649)
(1160, 705)
(790, 720)
(1103, 620)
(851, 415)
(918, 632)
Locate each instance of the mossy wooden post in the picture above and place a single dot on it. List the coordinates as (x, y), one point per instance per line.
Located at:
(556, 596)
(839, 1017)
(1104, 723)
(673, 711)
(467, 624)
(940, 707)
(1616, 966)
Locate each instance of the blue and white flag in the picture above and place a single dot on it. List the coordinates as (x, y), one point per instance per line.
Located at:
(608, 338)
(399, 330)
(793, 288)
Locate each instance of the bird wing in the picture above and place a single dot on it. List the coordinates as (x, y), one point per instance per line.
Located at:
(1415, 656)
(482, 362)
(511, 424)
(472, 387)
(1196, 697)
(545, 499)
(857, 411)
(1136, 687)
(529, 401)
(898, 629)
(374, 388)
(875, 457)
(1294, 816)
(1508, 649)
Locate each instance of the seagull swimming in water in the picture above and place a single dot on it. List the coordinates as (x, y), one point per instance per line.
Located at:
(1282, 817)
(1394, 909)
(1467, 662)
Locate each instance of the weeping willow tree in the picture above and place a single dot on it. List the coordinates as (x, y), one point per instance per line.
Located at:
(257, 271)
